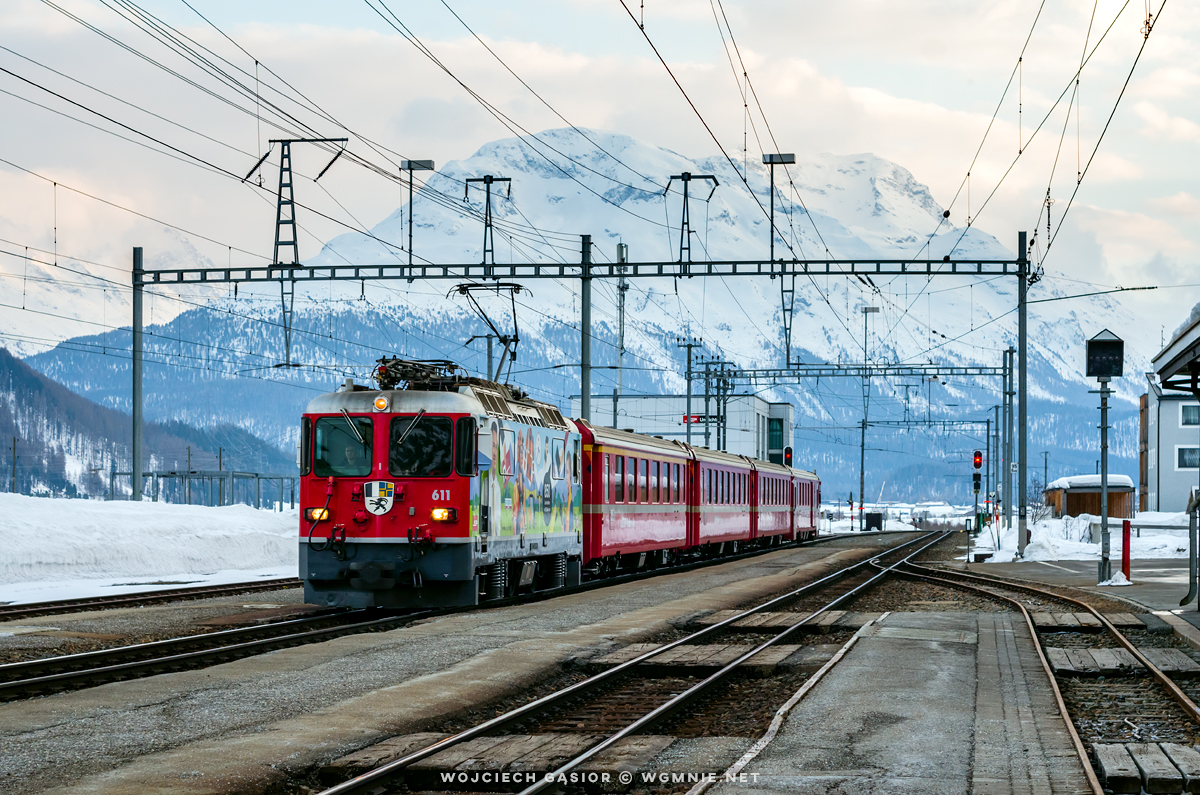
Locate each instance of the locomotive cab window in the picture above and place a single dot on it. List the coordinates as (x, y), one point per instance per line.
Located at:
(339, 452)
(464, 448)
(305, 446)
(419, 447)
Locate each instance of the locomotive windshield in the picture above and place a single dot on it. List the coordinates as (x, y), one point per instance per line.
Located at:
(420, 447)
(339, 452)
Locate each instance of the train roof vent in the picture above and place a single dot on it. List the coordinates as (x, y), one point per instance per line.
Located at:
(496, 406)
(527, 414)
(552, 417)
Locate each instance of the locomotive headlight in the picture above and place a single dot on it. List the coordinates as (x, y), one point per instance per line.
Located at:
(381, 403)
(316, 514)
(444, 514)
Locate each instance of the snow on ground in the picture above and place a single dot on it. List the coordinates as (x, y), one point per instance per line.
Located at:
(1069, 538)
(65, 549)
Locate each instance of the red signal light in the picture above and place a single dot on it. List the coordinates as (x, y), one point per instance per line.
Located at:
(978, 460)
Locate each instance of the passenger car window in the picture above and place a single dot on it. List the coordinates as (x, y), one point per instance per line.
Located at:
(419, 447)
(339, 452)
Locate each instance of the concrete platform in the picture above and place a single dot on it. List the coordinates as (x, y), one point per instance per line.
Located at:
(927, 704)
(247, 725)
(1157, 584)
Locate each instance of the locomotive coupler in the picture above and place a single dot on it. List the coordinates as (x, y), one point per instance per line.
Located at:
(337, 541)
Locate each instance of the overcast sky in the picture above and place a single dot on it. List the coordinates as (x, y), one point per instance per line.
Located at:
(916, 82)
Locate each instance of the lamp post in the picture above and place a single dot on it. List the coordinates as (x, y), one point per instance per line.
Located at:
(1105, 356)
(862, 453)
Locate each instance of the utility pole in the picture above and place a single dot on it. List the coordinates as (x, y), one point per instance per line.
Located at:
(1008, 445)
(189, 475)
(221, 481)
(987, 473)
(489, 239)
(685, 226)
(136, 470)
(489, 338)
(585, 326)
(787, 285)
(12, 489)
(285, 224)
(862, 452)
(689, 344)
(1023, 406)
(996, 467)
(707, 393)
(622, 288)
(1045, 469)
(410, 166)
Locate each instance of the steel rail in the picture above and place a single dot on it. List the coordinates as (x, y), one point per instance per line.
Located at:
(369, 781)
(84, 604)
(1173, 689)
(1080, 750)
(112, 662)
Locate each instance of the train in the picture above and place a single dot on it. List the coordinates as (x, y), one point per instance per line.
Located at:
(437, 489)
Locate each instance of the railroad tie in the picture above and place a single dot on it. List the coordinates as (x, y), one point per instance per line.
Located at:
(1087, 620)
(1172, 661)
(1044, 620)
(1187, 760)
(1116, 768)
(1158, 774)
(1124, 621)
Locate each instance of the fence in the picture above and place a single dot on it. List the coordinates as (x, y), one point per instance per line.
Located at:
(212, 487)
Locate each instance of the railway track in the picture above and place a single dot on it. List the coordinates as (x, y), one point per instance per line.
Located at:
(61, 606)
(581, 723)
(48, 675)
(1133, 723)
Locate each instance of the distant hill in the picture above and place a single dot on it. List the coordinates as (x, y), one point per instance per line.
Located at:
(66, 444)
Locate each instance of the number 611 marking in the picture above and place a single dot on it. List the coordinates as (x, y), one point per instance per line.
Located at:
(441, 494)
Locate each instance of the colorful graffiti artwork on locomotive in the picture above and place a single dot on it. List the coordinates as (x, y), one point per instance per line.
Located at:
(532, 479)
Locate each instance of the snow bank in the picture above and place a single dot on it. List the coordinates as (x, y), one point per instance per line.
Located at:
(1069, 538)
(48, 541)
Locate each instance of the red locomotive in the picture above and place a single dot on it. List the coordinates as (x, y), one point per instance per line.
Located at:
(438, 489)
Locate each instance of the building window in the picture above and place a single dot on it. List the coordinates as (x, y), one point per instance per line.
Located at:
(1189, 457)
(775, 433)
(1189, 415)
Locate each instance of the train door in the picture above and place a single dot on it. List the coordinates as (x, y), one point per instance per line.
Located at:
(485, 463)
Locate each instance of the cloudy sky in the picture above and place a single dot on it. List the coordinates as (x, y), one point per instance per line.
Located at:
(916, 82)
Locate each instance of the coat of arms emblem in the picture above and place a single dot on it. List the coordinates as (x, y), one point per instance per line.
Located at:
(378, 496)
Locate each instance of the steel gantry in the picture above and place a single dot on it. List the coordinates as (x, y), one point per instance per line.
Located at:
(586, 270)
(720, 378)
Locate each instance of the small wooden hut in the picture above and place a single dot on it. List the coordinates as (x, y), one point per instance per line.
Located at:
(1079, 494)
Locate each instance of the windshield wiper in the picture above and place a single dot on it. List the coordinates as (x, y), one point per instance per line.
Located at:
(408, 430)
(354, 428)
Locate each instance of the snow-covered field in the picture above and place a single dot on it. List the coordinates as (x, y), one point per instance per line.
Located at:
(64, 549)
(1069, 538)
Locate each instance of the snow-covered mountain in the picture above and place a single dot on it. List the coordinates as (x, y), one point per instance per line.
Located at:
(612, 187)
